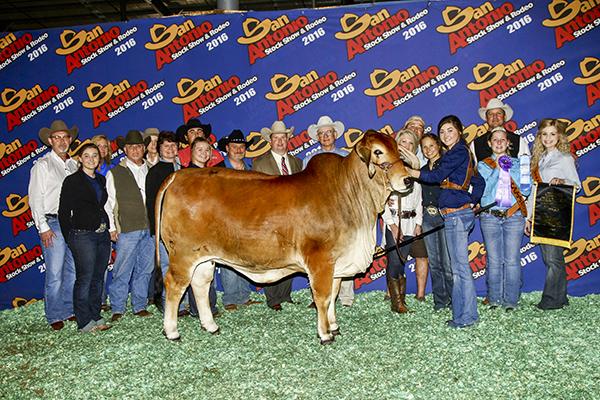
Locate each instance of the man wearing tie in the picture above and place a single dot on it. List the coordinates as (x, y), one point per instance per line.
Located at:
(278, 162)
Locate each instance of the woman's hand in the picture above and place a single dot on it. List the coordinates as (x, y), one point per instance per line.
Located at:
(557, 181)
(418, 230)
(527, 228)
(414, 173)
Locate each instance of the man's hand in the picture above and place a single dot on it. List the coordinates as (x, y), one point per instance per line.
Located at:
(527, 228)
(47, 238)
(396, 232)
(114, 236)
(418, 230)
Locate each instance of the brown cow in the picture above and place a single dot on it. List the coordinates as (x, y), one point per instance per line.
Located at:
(320, 221)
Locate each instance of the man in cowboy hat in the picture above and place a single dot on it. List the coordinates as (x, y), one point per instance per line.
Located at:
(186, 135)
(47, 176)
(126, 210)
(236, 289)
(278, 162)
(496, 113)
(326, 132)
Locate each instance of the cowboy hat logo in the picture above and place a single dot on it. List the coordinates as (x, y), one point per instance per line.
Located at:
(255, 30)
(189, 90)
(561, 12)
(353, 25)
(161, 35)
(590, 71)
(591, 190)
(383, 81)
(16, 204)
(13, 99)
(72, 41)
(455, 18)
(99, 94)
(284, 85)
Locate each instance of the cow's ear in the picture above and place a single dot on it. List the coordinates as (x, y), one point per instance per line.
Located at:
(364, 153)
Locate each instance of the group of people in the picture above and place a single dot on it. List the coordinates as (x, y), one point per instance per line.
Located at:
(84, 206)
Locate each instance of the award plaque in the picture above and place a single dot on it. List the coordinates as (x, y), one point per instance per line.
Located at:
(552, 219)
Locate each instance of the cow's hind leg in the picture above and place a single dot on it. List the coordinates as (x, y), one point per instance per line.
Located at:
(321, 282)
(335, 290)
(175, 286)
(201, 281)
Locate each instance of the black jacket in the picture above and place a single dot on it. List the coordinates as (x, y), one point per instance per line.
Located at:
(156, 176)
(79, 207)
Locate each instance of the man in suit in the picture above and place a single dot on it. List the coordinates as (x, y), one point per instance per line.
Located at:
(496, 113)
(278, 162)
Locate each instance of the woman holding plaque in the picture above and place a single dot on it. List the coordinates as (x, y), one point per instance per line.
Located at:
(455, 174)
(502, 225)
(553, 163)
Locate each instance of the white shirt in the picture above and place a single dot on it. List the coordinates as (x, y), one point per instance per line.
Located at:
(411, 202)
(47, 176)
(139, 173)
(556, 164)
(278, 158)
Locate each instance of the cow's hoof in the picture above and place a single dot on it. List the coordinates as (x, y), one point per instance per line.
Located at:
(327, 341)
(336, 332)
(217, 332)
(174, 337)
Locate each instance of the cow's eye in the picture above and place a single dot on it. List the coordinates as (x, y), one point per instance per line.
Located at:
(378, 152)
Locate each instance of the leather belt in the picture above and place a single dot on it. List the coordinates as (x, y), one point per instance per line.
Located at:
(51, 216)
(407, 214)
(431, 210)
(497, 213)
(448, 210)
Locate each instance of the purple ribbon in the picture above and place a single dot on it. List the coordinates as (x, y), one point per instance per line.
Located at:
(503, 192)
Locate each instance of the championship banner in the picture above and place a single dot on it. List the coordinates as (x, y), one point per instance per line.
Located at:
(370, 66)
(552, 220)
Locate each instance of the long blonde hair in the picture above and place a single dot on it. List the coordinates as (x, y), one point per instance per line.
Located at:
(538, 147)
(96, 140)
(413, 136)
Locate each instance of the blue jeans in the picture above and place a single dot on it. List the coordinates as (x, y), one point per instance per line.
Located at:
(502, 237)
(60, 277)
(555, 287)
(91, 252)
(439, 261)
(458, 225)
(236, 289)
(395, 265)
(134, 262)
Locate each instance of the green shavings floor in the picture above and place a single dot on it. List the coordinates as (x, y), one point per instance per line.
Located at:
(262, 354)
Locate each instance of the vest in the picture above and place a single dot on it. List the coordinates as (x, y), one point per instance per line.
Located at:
(130, 211)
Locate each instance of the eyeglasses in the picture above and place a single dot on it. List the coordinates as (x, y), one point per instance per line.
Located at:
(327, 132)
(60, 137)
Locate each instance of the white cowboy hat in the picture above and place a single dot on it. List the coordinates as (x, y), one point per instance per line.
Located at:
(495, 103)
(277, 127)
(325, 121)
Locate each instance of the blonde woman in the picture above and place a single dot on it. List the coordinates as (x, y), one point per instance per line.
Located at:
(403, 219)
(103, 144)
(553, 163)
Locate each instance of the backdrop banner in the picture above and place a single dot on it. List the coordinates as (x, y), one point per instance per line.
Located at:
(369, 66)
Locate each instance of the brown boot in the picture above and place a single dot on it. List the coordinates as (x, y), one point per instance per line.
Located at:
(397, 288)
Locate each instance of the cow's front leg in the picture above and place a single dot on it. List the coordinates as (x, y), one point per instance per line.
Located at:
(174, 291)
(321, 284)
(335, 290)
(201, 281)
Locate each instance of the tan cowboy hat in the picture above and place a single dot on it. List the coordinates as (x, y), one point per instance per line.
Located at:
(57, 126)
(277, 127)
(324, 122)
(148, 132)
(493, 104)
(590, 71)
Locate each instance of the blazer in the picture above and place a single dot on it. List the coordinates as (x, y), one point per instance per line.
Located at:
(267, 164)
(79, 207)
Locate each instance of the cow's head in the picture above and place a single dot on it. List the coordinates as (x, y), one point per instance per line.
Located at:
(380, 154)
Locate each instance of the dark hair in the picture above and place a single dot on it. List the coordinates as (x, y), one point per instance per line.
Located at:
(85, 147)
(166, 136)
(433, 137)
(451, 119)
(199, 139)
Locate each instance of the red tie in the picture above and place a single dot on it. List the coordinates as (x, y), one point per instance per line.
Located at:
(284, 168)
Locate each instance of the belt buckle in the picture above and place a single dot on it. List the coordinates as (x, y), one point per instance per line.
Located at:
(498, 213)
(101, 228)
(431, 210)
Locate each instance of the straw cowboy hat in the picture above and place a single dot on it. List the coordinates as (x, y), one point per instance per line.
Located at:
(325, 122)
(277, 127)
(57, 126)
(495, 103)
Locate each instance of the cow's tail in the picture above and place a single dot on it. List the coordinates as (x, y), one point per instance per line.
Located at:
(158, 277)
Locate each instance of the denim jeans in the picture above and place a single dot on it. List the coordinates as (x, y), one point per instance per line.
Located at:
(236, 289)
(555, 287)
(457, 227)
(502, 237)
(60, 277)
(439, 261)
(134, 262)
(395, 265)
(91, 251)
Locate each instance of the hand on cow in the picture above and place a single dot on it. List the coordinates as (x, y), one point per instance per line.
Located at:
(415, 173)
(114, 236)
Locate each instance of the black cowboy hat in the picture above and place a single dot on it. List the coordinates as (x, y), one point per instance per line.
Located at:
(236, 136)
(132, 137)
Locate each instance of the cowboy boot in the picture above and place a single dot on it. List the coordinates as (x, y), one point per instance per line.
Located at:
(402, 281)
(397, 301)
